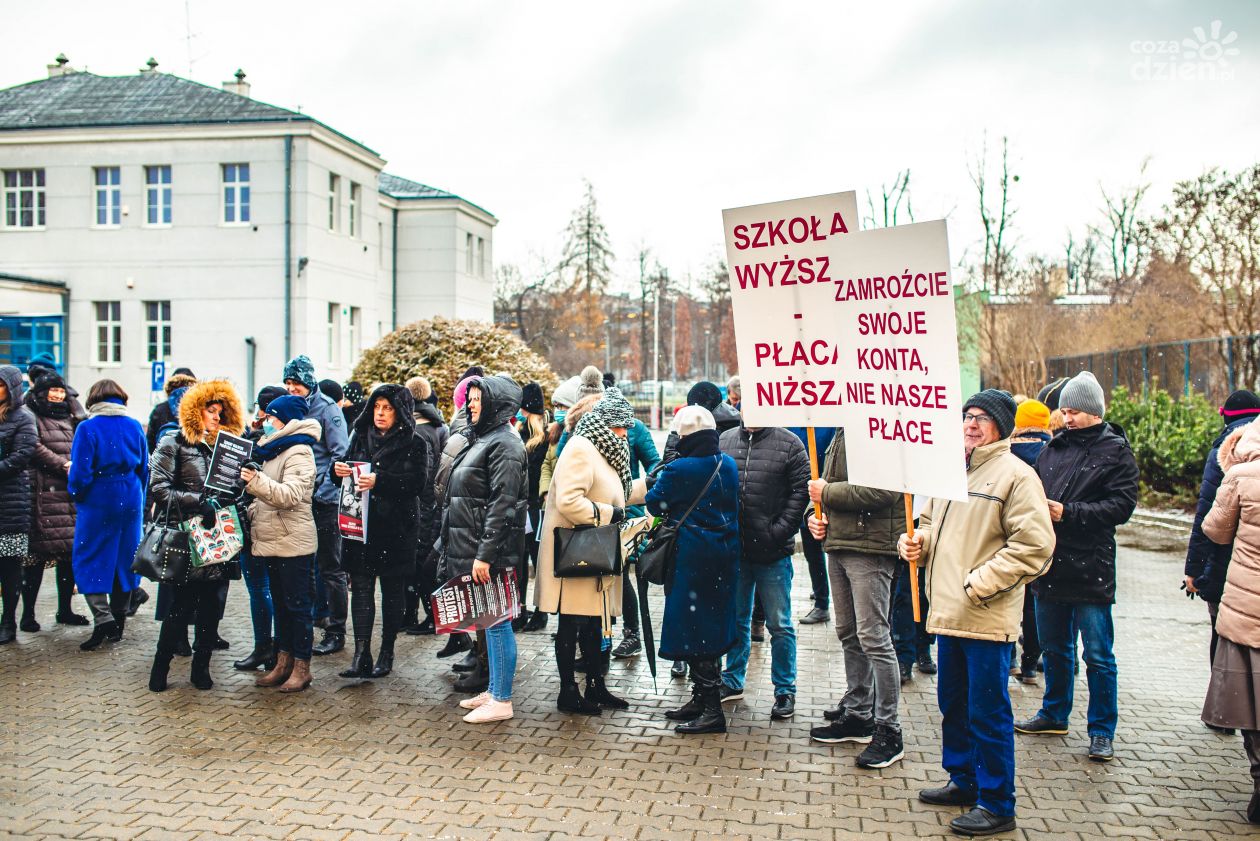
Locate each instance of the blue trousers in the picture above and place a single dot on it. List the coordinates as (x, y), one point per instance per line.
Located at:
(1058, 625)
(501, 655)
(773, 585)
(261, 611)
(977, 725)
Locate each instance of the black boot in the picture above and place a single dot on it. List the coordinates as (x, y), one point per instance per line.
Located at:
(8, 633)
(422, 629)
(120, 624)
(65, 592)
(260, 656)
(689, 711)
(32, 577)
(479, 678)
(330, 644)
(182, 648)
(537, 621)
(201, 670)
(361, 662)
(100, 633)
(708, 678)
(596, 690)
(385, 661)
(455, 643)
(468, 663)
(161, 668)
(571, 701)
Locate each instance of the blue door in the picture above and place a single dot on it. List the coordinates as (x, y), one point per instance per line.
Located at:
(25, 336)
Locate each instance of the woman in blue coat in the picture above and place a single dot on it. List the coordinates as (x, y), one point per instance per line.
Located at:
(699, 624)
(109, 468)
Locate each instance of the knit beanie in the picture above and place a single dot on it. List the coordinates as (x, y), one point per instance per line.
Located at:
(1049, 393)
(614, 410)
(41, 360)
(268, 393)
(353, 391)
(592, 382)
(997, 404)
(460, 397)
(1084, 394)
(287, 408)
(693, 419)
(1032, 414)
(566, 394)
(610, 380)
(532, 398)
(473, 371)
(706, 394)
(332, 389)
(300, 369)
(1240, 404)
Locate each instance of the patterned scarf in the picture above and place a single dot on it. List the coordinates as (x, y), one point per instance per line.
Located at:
(614, 449)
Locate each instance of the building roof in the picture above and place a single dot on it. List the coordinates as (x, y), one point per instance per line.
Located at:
(397, 187)
(86, 100)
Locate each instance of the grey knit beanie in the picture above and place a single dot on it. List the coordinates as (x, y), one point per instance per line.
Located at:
(614, 409)
(592, 382)
(1084, 394)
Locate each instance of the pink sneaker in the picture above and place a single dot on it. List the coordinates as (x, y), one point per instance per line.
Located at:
(475, 701)
(491, 710)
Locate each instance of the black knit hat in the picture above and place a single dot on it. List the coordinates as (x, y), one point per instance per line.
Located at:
(610, 380)
(706, 394)
(997, 404)
(268, 393)
(1240, 404)
(332, 389)
(1049, 394)
(473, 371)
(532, 398)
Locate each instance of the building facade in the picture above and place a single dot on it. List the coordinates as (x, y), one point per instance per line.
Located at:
(149, 218)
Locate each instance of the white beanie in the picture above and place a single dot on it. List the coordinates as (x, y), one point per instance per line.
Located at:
(566, 394)
(692, 419)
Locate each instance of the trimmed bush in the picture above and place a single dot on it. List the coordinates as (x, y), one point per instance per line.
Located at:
(1170, 437)
(442, 349)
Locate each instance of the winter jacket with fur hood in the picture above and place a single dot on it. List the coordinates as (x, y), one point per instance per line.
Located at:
(1235, 516)
(18, 437)
(52, 509)
(281, 522)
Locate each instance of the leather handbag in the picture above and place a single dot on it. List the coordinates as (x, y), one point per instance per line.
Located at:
(659, 546)
(587, 551)
(164, 555)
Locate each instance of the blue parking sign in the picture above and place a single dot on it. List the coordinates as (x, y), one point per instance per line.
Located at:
(158, 377)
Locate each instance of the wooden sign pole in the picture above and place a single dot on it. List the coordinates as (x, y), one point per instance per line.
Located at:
(813, 468)
(914, 567)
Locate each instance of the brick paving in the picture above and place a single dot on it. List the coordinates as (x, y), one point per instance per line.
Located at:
(87, 752)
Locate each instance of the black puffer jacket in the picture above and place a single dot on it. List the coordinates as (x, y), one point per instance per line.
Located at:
(1093, 473)
(177, 472)
(52, 509)
(18, 437)
(773, 490)
(486, 498)
(435, 435)
(402, 462)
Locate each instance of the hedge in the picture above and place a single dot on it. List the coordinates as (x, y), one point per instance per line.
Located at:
(1170, 438)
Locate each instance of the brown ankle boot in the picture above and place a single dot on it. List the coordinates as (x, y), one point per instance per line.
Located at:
(278, 675)
(300, 678)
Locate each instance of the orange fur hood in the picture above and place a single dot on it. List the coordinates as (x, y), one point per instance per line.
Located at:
(231, 418)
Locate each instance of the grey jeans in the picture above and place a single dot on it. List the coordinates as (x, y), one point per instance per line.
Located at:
(860, 587)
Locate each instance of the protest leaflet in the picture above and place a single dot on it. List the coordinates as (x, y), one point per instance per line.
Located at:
(230, 454)
(352, 510)
(462, 606)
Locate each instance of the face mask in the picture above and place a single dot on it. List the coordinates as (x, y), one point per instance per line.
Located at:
(276, 423)
(560, 413)
(520, 417)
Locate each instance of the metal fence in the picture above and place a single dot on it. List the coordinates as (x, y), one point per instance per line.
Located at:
(1206, 366)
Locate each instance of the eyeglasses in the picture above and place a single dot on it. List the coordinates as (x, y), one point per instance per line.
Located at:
(977, 417)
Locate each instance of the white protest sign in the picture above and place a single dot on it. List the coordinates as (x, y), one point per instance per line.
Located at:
(863, 345)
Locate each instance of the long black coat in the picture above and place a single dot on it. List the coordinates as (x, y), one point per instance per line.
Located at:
(435, 434)
(1093, 473)
(403, 465)
(18, 437)
(52, 509)
(486, 497)
(773, 490)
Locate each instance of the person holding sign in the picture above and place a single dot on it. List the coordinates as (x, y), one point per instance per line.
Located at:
(400, 480)
(980, 555)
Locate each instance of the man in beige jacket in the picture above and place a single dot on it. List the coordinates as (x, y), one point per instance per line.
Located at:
(980, 555)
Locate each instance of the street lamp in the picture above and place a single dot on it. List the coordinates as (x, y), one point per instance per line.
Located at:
(707, 331)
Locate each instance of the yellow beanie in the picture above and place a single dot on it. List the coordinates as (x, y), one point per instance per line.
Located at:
(1032, 413)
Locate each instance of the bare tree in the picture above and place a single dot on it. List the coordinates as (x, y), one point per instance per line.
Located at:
(996, 215)
(894, 202)
(1126, 234)
(1080, 262)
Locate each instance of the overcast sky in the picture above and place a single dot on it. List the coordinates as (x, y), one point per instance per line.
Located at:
(674, 111)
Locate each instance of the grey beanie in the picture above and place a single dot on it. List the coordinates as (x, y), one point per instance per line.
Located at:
(997, 404)
(592, 382)
(1084, 394)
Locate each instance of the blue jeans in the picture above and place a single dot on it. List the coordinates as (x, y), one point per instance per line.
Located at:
(773, 585)
(1057, 627)
(292, 591)
(501, 654)
(977, 726)
(258, 583)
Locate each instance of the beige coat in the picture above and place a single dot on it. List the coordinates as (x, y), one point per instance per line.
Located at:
(981, 553)
(582, 477)
(280, 518)
(1235, 517)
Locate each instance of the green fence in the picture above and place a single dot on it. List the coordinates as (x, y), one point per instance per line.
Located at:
(1206, 366)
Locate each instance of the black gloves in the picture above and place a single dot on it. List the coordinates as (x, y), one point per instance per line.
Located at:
(208, 514)
(618, 514)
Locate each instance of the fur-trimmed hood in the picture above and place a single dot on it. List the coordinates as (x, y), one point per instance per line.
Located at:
(231, 418)
(1239, 446)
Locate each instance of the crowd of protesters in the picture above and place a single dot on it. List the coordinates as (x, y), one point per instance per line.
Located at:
(1029, 560)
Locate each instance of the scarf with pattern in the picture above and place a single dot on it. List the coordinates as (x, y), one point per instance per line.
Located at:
(614, 449)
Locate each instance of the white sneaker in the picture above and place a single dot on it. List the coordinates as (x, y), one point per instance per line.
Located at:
(475, 701)
(491, 710)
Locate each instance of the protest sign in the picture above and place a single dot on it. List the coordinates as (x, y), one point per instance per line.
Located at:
(844, 341)
(462, 606)
(229, 456)
(352, 509)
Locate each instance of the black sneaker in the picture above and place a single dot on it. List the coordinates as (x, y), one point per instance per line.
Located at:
(728, 694)
(906, 673)
(784, 707)
(678, 671)
(981, 822)
(630, 646)
(925, 663)
(836, 714)
(757, 633)
(1101, 749)
(816, 616)
(1039, 725)
(848, 729)
(885, 749)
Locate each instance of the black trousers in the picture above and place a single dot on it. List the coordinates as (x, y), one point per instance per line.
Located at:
(328, 562)
(197, 603)
(817, 563)
(583, 630)
(1030, 642)
(363, 604)
(10, 588)
(33, 580)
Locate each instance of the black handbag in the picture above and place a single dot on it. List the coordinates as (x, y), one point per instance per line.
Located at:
(659, 551)
(587, 551)
(164, 554)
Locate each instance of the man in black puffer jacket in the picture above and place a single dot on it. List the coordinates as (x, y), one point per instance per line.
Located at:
(1091, 483)
(773, 479)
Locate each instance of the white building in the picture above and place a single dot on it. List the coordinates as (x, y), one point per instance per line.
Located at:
(149, 218)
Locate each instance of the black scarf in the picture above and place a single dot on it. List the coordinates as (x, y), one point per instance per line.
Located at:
(271, 449)
(702, 442)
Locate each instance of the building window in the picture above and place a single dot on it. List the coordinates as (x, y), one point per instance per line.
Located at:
(334, 202)
(468, 254)
(356, 335)
(24, 199)
(157, 328)
(334, 333)
(108, 332)
(235, 193)
(108, 196)
(157, 181)
(481, 257)
(354, 210)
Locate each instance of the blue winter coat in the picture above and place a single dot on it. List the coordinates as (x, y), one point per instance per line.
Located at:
(699, 617)
(1027, 444)
(642, 452)
(109, 470)
(1207, 562)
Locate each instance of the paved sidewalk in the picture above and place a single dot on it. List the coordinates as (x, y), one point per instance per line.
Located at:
(87, 752)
